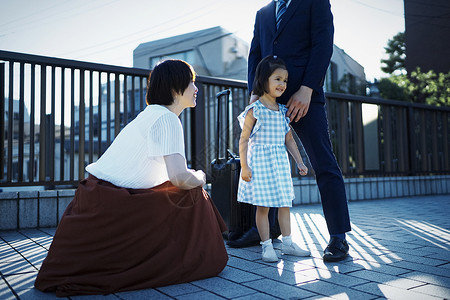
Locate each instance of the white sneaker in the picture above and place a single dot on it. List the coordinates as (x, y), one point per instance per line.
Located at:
(294, 249)
(268, 254)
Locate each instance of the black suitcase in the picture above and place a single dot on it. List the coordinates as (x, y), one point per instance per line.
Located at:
(225, 173)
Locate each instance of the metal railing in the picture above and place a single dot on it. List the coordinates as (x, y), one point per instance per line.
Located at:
(59, 115)
(377, 137)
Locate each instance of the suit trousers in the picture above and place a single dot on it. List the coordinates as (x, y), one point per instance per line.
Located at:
(313, 132)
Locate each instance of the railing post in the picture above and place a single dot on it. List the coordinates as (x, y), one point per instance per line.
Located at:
(32, 167)
(411, 141)
(2, 120)
(48, 145)
(72, 125)
(52, 128)
(198, 134)
(43, 126)
(402, 137)
(387, 138)
(91, 117)
(116, 104)
(99, 115)
(434, 142)
(21, 121)
(63, 126)
(445, 139)
(10, 122)
(423, 142)
(108, 108)
(359, 138)
(81, 131)
(343, 136)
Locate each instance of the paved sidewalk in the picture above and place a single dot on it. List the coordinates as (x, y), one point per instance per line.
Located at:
(399, 249)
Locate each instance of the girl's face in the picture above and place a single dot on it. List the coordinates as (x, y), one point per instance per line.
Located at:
(189, 97)
(277, 82)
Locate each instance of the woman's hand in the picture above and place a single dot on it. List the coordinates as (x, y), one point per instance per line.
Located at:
(302, 169)
(246, 174)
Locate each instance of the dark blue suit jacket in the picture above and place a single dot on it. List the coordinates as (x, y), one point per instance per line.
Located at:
(304, 41)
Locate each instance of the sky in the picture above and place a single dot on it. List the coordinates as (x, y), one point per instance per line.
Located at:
(107, 31)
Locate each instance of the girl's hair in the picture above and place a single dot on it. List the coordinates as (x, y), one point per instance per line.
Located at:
(264, 69)
(168, 77)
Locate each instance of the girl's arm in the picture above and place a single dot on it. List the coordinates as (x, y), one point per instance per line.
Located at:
(292, 147)
(180, 175)
(249, 123)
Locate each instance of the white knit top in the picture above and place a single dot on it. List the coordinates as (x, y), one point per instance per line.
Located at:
(135, 158)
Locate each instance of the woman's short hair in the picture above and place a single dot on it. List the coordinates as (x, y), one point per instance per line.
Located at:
(264, 69)
(168, 77)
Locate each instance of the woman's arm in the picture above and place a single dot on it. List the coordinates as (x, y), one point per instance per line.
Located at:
(292, 147)
(249, 122)
(180, 175)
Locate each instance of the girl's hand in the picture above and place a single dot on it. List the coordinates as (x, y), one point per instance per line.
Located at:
(302, 169)
(246, 174)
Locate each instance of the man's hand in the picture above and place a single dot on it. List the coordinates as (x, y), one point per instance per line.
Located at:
(298, 104)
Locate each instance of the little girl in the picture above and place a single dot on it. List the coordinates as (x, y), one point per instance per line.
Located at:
(265, 171)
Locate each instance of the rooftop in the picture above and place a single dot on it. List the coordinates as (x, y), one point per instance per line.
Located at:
(399, 249)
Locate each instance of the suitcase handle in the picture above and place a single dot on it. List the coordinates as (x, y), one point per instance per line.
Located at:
(232, 155)
(219, 95)
(223, 93)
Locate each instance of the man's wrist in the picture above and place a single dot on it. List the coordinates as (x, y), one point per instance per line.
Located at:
(306, 88)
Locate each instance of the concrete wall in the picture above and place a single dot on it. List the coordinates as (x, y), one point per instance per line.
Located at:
(307, 192)
(32, 209)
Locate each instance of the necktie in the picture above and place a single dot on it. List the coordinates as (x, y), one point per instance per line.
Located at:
(280, 12)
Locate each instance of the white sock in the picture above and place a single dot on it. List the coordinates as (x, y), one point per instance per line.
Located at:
(266, 243)
(287, 240)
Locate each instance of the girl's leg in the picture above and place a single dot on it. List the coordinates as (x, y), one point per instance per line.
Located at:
(284, 219)
(262, 222)
(288, 246)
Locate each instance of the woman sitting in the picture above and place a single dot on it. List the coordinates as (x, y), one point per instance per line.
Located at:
(141, 219)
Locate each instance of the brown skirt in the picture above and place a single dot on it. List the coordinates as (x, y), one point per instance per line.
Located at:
(113, 239)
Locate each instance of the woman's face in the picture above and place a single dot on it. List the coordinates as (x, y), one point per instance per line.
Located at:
(189, 97)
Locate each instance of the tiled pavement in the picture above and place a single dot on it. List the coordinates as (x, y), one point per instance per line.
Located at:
(399, 249)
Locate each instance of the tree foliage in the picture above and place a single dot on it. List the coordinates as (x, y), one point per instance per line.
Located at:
(393, 88)
(419, 87)
(430, 88)
(396, 50)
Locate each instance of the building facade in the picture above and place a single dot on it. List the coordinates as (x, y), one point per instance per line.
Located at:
(212, 52)
(219, 53)
(427, 35)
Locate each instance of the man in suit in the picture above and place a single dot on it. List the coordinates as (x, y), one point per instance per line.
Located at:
(301, 33)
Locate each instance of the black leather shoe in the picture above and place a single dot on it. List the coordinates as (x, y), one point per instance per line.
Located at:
(275, 232)
(234, 235)
(250, 238)
(336, 250)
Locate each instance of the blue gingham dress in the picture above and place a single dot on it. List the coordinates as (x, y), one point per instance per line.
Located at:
(271, 183)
